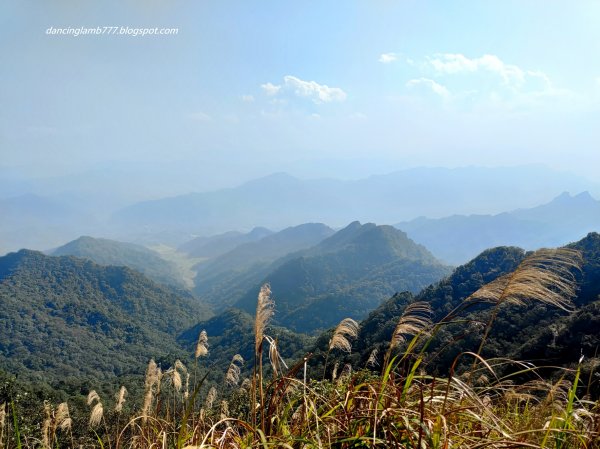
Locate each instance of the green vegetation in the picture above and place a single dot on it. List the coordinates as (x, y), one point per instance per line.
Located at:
(224, 279)
(401, 405)
(348, 274)
(502, 353)
(71, 323)
(137, 257)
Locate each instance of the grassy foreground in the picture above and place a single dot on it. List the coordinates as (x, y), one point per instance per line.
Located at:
(493, 403)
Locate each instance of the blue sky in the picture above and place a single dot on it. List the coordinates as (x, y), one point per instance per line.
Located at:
(318, 88)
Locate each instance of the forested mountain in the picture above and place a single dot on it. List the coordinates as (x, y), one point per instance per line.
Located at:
(458, 238)
(111, 252)
(535, 331)
(69, 322)
(210, 247)
(221, 281)
(347, 274)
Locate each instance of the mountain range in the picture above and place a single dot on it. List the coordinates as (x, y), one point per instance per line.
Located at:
(459, 238)
(43, 213)
(220, 281)
(280, 200)
(347, 274)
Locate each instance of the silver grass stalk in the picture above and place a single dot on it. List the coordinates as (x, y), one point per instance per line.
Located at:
(2, 419)
(210, 398)
(547, 276)
(120, 399)
(274, 356)
(175, 378)
(96, 415)
(346, 373)
(186, 393)
(46, 426)
(152, 377)
(202, 345)
(340, 339)
(415, 319)
(233, 372)
(335, 370)
(180, 366)
(265, 309)
(246, 384)
(224, 409)
(92, 396)
(63, 419)
(372, 361)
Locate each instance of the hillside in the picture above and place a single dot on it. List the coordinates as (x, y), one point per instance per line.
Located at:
(68, 321)
(223, 280)
(535, 331)
(458, 238)
(347, 274)
(137, 257)
(213, 246)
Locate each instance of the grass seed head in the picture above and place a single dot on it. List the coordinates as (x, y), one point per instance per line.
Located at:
(415, 319)
(265, 309)
(96, 415)
(547, 276)
(348, 328)
(120, 399)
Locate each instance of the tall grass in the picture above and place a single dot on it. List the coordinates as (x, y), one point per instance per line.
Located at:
(403, 406)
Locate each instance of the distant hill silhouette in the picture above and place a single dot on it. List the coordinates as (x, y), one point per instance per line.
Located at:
(458, 238)
(280, 200)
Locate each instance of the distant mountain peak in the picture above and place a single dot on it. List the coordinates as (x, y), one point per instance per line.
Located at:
(583, 197)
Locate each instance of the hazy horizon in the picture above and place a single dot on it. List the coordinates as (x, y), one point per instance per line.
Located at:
(243, 90)
(105, 105)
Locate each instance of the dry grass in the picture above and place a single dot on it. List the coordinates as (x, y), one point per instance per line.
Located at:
(348, 328)
(402, 408)
(547, 276)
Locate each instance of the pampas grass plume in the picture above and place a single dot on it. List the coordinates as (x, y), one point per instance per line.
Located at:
(348, 328)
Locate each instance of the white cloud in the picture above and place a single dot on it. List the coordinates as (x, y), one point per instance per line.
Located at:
(488, 82)
(454, 63)
(436, 88)
(270, 89)
(319, 93)
(387, 58)
(199, 116)
(247, 98)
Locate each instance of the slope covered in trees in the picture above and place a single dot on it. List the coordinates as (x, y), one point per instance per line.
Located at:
(347, 274)
(68, 321)
(535, 331)
(222, 280)
(111, 252)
